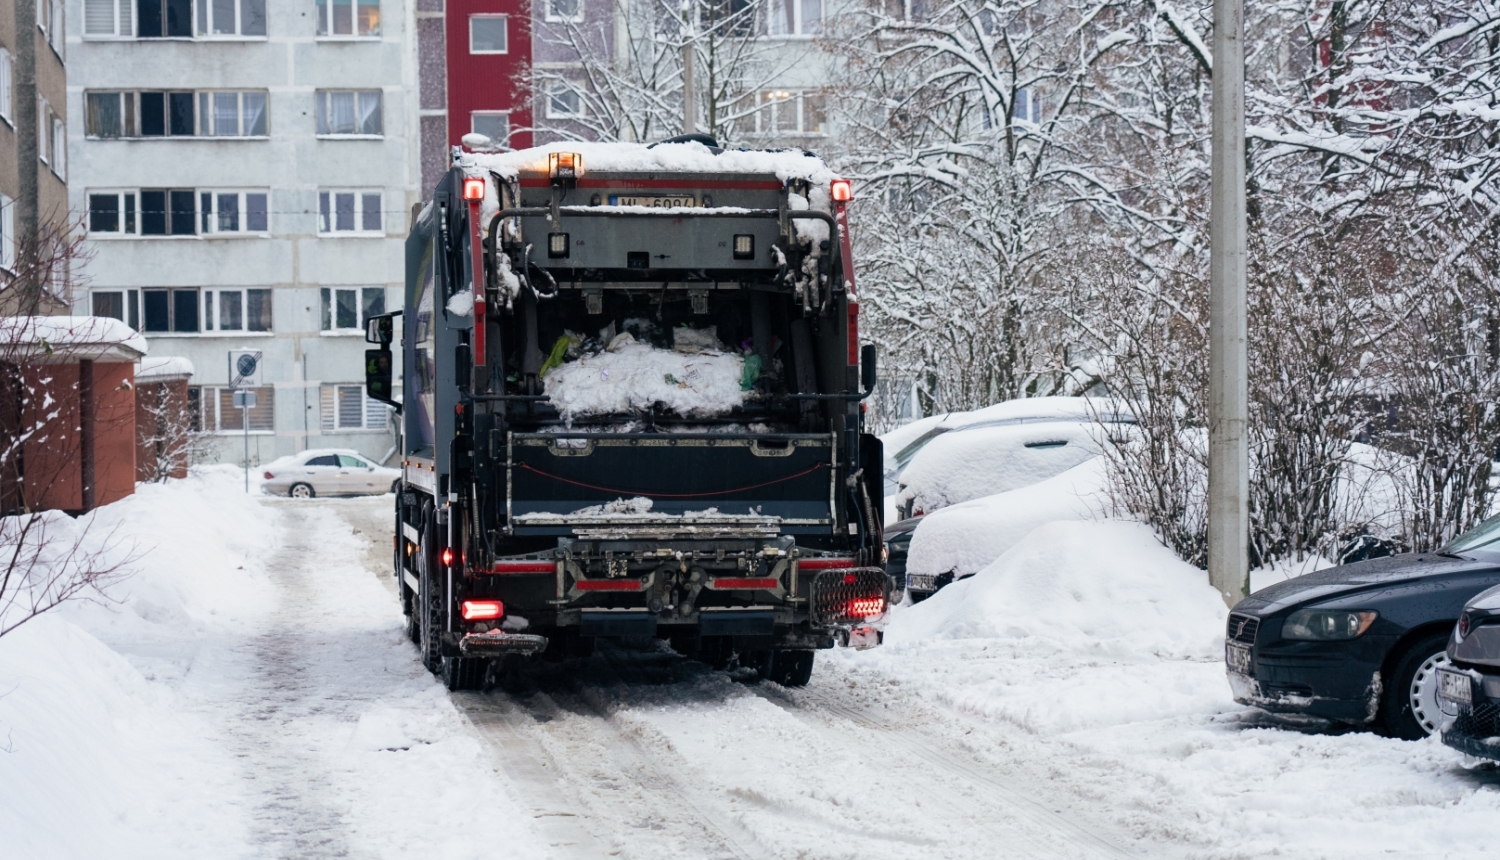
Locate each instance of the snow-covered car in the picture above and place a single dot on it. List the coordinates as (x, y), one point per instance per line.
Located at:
(1362, 643)
(897, 539)
(1470, 687)
(328, 472)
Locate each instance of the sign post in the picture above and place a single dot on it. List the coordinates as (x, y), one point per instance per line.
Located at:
(243, 368)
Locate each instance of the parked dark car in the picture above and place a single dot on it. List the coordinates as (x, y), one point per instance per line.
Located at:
(1471, 685)
(1361, 643)
(897, 543)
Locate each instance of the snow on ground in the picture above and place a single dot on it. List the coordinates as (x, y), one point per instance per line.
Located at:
(251, 695)
(1089, 646)
(631, 376)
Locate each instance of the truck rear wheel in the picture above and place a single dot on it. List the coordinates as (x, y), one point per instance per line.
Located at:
(465, 673)
(429, 602)
(789, 668)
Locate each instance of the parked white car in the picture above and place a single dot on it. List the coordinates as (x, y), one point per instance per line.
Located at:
(328, 472)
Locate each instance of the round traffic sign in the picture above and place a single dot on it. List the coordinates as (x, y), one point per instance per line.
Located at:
(245, 365)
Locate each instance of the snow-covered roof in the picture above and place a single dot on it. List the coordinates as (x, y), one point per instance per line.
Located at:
(163, 367)
(658, 158)
(73, 337)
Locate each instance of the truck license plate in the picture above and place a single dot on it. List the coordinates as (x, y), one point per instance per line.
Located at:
(1237, 657)
(655, 202)
(1455, 687)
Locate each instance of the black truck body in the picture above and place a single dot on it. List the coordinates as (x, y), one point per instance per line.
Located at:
(521, 526)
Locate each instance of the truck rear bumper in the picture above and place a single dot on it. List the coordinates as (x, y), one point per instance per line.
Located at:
(499, 644)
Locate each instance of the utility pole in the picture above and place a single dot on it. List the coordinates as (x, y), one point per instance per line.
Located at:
(1228, 388)
(689, 96)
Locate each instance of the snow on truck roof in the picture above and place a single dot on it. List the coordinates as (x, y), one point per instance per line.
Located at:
(655, 158)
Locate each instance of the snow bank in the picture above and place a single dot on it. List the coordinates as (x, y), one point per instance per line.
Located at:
(101, 761)
(966, 537)
(1103, 588)
(981, 461)
(633, 376)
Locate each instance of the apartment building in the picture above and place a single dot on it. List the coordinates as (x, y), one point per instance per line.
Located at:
(49, 198)
(475, 57)
(246, 172)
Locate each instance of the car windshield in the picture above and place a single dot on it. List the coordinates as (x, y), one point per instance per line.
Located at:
(1484, 537)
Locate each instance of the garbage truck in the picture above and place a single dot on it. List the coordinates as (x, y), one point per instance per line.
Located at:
(631, 408)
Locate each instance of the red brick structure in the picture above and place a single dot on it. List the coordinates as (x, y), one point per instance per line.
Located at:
(163, 417)
(67, 412)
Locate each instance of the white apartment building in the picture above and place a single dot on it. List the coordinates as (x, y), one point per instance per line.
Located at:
(245, 171)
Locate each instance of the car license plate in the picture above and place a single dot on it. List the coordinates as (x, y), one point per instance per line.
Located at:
(655, 202)
(1237, 657)
(1455, 687)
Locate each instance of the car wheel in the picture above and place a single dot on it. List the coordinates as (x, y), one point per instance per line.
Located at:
(1409, 707)
(301, 491)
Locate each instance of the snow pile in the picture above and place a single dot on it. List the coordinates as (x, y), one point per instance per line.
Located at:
(1105, 589)
(461, 304)
(980, 461)
(632, 376)
(966, 537)
(638, 506)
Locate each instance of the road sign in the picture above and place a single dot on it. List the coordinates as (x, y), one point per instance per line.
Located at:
(244, 368)
(244, 399)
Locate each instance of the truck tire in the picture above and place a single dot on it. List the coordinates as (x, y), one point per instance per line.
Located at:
(465, 673)
(790, 668)
(429, 604)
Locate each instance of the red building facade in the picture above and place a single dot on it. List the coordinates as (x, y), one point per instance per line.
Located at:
(475, 65)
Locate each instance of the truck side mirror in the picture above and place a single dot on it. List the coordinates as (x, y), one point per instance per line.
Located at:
(378, 375)
(381, 330)
(867, 367)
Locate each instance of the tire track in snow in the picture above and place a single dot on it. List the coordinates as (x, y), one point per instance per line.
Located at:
(1046, 832)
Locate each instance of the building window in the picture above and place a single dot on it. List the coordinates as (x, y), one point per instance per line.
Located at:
(231, 418)
(493, 124)
(488, 34)
(231, 18)
(794, 17)
(107, 18)
(50, 18)
(208, 113)
(164, 19)
(345, 309)
(346, 407)
(6, 76)
(787, 112)
(349, 112)
(43, 125)
(232, 114)
(233, 212)
(170, 311)
(7, 232)
(565, 10)
(237, 310)
(349, 212)
(354, 18)
(59, 149)
(123, 305)
(563, 101)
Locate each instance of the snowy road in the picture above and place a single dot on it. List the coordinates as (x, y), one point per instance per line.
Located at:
(640, 753)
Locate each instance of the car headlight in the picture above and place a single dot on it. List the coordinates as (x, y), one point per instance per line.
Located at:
(1322, 625)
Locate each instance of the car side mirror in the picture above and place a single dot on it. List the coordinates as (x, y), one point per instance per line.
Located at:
(867, 368)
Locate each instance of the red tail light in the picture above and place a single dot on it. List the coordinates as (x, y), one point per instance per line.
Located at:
(473, 189)
(447, 556)
(866, 607)
(841, 191)
(853, 334)
(482, 610)
(269, 476)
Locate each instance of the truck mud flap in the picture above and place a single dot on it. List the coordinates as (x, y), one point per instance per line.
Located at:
(624, 624)
(751, 622)
(498, 644)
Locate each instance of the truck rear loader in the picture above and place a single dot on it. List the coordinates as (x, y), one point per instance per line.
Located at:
(630, 407)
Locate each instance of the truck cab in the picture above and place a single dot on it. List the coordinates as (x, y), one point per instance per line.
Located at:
(631, 403)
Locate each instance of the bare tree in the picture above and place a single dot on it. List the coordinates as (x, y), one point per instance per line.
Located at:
(171, 435)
